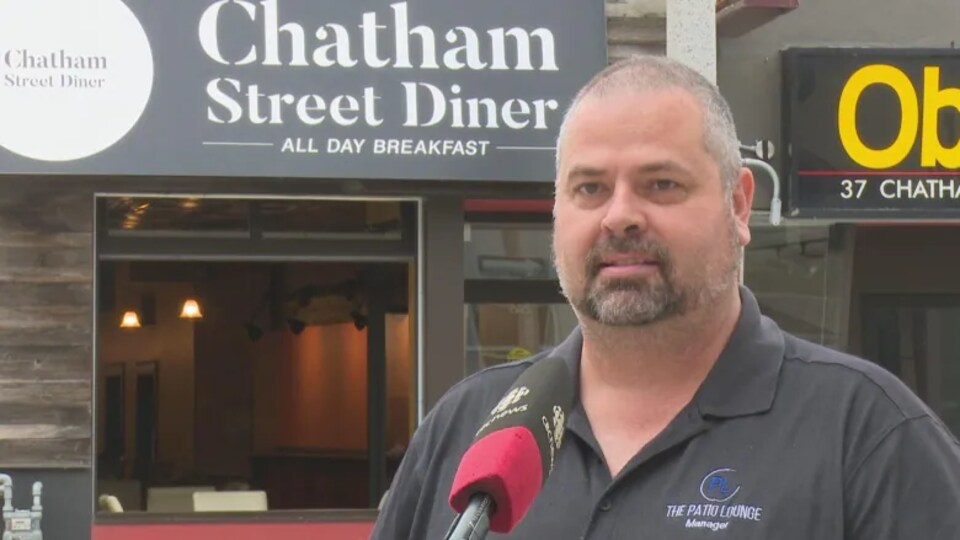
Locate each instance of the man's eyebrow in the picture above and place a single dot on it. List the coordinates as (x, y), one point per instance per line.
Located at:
(666, 166)
(583, 171)
(657, 167)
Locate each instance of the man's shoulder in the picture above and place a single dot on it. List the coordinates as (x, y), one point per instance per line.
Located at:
(848, 377)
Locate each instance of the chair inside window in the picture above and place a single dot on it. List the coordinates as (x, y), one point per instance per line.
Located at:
(230, 501)
(110, 503)
(173, 499)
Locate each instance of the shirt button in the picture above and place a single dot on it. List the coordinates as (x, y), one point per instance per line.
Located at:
(605, 505)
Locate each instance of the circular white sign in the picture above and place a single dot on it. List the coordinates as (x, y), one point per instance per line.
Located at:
(75, 76)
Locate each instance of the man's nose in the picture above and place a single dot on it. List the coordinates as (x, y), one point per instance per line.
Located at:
(625, 214)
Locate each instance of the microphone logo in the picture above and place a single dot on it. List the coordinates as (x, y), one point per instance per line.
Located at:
(507, 406)
(559, 420)
(510, 399)
(554, 432)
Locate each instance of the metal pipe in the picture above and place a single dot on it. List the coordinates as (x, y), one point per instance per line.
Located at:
(37, 489)
(7, 484)
(775, 202)
(748, 148)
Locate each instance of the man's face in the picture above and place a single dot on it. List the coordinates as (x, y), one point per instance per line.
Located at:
(643, 229)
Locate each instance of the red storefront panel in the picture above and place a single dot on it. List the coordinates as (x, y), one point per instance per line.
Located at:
(234, 531)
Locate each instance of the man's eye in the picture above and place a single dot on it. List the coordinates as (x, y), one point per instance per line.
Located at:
(665, 185)
(589, 188)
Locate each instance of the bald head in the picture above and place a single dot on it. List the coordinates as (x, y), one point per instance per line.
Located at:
(643, 74)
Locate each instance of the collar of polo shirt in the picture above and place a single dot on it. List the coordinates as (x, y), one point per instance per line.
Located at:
(742, 382)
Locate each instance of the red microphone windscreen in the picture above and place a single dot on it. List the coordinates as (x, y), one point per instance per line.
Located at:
(506, 465)
(515, 449)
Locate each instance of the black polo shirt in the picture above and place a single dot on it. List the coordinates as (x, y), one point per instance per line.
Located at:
(784, 440)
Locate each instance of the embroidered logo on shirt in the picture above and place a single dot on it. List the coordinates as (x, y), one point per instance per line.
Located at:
(718, 488)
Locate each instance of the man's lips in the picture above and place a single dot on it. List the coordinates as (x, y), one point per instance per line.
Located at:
(627, 266)
(628, 261)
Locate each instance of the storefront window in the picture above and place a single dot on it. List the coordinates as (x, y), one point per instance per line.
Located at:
(498, 333)
(261, 380)
(917, 338)
(517, 251)
(241, 218)
(798, 274)
(142, 216)
(371, 220)
(513, 303)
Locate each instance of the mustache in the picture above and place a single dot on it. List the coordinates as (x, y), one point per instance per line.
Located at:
(627, 244)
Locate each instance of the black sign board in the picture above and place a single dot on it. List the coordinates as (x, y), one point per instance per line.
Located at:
(404, 89)
(872, 133)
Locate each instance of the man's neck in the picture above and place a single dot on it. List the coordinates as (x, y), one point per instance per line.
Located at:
(666, 357)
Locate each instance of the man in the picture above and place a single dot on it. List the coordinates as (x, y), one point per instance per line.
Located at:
(696, 416)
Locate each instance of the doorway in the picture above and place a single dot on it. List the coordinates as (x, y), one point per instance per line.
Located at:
(145, 421)
(917, 338)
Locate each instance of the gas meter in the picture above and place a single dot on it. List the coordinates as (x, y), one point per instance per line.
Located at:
(20, 524)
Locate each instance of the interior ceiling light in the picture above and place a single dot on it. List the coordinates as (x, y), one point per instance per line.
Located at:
(130, 320)
(190, 310)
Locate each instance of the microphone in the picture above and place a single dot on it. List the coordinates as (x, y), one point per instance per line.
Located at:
(513, 452)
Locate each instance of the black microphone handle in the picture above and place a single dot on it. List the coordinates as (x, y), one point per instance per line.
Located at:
(474, 522)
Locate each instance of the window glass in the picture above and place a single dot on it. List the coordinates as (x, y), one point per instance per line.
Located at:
(498, 333)
(242, 218)
(798, 280)
(129, 216)
(514, 308)
(330, 219)
(251, 377)
(917, 338)
(930, 358)
(508, 251)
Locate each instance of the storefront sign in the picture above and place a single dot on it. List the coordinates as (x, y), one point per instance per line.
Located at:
(873, 133)
(413, 89)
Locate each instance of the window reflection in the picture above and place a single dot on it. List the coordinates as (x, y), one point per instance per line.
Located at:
(788, 269)
(917, 338)
(508, 251)
(514, 306)
(929, 350)
(498, 333)
(244, 218)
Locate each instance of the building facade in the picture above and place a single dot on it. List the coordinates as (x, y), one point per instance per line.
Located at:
(235, 242)
(859, 105)
(352, 255)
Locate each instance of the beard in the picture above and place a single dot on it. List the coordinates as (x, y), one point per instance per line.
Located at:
(640, 301)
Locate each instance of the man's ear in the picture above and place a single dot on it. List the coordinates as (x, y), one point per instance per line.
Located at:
(742, 201)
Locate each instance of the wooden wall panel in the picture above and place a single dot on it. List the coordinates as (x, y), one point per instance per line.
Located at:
(47, 452)
(44, 362)
(46, 314)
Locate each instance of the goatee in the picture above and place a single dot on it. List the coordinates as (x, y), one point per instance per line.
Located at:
(631, 301)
